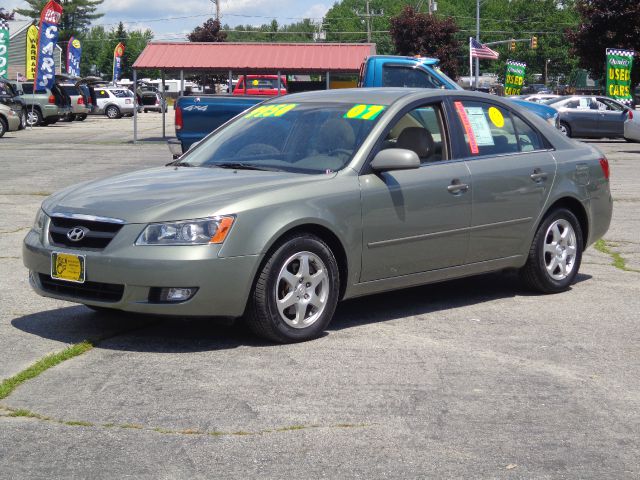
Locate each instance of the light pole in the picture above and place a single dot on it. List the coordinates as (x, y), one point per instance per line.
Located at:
(478, 39)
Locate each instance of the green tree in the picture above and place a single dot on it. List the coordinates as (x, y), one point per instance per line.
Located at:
(416, 33)
(77, 15)
(605, 24)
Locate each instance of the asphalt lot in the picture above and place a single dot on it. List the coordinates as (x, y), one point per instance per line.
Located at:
(469, 379)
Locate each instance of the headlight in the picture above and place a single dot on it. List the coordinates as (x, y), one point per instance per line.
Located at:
(200, 231)
(38, 224)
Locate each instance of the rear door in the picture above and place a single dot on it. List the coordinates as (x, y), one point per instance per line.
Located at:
(512, 172)
(581, 113)
(416, 220)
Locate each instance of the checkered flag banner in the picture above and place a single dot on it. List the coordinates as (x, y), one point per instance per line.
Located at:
(4, 47)
(516, 64)
(4, 25)
(621, 53)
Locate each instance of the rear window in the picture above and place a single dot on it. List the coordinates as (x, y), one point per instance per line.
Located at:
(409, 77)
(70, 89)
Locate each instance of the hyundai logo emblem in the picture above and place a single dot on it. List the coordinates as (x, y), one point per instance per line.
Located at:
(77, 233)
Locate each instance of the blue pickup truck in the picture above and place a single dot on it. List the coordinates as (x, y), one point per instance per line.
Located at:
(197, 116)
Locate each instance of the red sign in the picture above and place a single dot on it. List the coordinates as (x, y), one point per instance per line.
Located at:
(462, 114)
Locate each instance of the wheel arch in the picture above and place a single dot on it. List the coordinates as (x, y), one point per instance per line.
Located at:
(576, 207)
(320, 231)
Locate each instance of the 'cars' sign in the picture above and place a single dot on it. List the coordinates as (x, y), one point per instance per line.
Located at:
(47, 40)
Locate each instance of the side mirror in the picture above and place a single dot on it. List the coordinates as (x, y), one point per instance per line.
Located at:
(395, 159)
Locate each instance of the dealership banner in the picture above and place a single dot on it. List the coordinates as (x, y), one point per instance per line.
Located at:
(514, 79)
(619, 63)
(47, 40)
(117, 61)
(32, 52)
(4, 48)
(74, 53)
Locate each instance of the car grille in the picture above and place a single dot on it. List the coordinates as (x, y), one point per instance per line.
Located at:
(98, 235)
(102, 292)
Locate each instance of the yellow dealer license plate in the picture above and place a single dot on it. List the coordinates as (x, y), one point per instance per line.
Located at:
(68, 267)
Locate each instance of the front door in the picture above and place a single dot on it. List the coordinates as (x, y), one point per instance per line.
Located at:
(416, 220)
(612, 117)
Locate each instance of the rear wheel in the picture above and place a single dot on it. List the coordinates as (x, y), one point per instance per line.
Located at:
(23, 120)
(565, 129)
(555, 254)
(3, 127)
(113, 112)
(80, 117)
(295, 294)
(34, 118)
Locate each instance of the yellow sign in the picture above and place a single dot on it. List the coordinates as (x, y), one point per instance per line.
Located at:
(32, 52)
(365, 112)
(276, 110)
(65, 266)
(76, 43)
(496, 117)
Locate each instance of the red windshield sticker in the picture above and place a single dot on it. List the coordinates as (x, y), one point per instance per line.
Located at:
(462, 114)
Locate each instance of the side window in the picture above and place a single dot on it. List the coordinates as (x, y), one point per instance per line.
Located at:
(420, 130)
(488, 129)
(610, 106)
(27, 88)
(528, 139)
(102, 94)
(397, 76)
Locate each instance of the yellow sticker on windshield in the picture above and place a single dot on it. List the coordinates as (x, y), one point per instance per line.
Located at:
(276, 110)
(496, 117)
(365, 112)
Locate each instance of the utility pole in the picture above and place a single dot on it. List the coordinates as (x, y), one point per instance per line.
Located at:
(478, 39)
(217, 5)
(367, 16)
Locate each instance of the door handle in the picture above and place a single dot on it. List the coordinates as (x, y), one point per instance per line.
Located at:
(538, 175)
(457, 186)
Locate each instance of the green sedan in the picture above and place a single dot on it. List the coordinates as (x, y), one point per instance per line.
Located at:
(311, 198)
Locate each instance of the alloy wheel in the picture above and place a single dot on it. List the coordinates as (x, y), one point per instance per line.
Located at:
(560, 249)
(302, 289)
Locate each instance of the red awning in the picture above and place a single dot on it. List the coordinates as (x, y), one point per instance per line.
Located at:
(256, 57)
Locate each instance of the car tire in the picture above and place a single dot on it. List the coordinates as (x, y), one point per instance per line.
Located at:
(23, 120)
(145, 110)
(555, 253)
(296, 292)
(565, 129)
(81, 117)
(48, 121)
(3, 127)
(34, 118)
(112, 112)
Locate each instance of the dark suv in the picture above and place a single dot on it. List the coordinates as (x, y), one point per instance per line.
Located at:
(9, 96)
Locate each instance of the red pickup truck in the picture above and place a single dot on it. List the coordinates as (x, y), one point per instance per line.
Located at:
(260, 85)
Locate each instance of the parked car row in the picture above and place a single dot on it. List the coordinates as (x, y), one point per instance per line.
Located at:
(69, 99)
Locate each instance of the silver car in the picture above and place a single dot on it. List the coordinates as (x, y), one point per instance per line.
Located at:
(114, 102)
(632, 126)
(311, 198)
(587, 116)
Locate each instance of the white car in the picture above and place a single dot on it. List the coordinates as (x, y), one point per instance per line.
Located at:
(632, 126)
(114, 102)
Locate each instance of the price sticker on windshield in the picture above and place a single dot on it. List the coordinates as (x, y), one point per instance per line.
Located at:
(266, 111)
(365, 112)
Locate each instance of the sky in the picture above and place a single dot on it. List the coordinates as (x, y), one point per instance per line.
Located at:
(172, 20)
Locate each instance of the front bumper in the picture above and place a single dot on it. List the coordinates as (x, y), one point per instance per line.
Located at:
(223, 283)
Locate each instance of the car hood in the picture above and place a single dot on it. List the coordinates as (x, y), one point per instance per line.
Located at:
(170, 193)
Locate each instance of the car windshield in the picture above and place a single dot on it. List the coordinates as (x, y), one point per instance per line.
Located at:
(551, 101)
(303, 138)
(70, 89)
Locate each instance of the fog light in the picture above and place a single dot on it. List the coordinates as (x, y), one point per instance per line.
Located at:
(172, 294)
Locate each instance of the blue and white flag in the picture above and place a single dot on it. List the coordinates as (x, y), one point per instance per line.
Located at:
(47, 40)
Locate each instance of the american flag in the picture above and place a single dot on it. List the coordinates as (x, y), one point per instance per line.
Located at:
(480, 50)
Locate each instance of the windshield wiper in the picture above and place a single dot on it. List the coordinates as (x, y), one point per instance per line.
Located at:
(177, 163)
(243, 166)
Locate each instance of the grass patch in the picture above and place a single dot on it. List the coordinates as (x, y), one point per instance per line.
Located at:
(132, 425)
(26, 414)
(189, 431)
(10, 384)
(617, 260)
(77, 423)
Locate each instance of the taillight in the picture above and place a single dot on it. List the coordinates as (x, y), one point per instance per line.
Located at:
(604, 164)
(179, 123)
(630, 112)
(80, 101)
(52, 99)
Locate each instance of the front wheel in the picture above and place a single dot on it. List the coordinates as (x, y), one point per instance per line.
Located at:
(23, 120)
(555, 254)
(565, 129)
(296, 292)
(3, 127)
